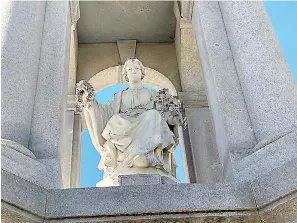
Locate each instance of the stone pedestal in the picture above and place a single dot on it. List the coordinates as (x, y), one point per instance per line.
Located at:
(145, 179)
(137, 176)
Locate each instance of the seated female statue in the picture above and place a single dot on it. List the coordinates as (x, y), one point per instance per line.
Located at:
(133, 129)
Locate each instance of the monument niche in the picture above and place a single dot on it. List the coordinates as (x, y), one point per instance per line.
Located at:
(136, 132)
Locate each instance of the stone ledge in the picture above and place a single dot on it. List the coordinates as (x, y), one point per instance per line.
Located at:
(175, 202)
(149, 199)
(280, 183)
(214, 217)
(22, 194)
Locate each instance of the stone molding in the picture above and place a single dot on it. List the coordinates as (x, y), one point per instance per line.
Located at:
(183, 201)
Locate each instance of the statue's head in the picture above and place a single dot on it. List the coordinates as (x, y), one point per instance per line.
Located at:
(133, 71)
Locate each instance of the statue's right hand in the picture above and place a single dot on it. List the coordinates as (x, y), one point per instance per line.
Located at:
(84, 94)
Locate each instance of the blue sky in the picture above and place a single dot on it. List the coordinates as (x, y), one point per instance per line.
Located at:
(283, 16)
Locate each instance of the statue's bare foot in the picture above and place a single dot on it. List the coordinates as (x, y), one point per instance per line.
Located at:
(140, 161)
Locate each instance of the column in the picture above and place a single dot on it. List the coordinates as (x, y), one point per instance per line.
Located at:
(49, 114)
(267, 85)
(22, 31)
(233, 129)
(35, 56)
(265, 78)
(76, 151)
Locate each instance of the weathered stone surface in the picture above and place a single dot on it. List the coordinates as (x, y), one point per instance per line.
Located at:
(231, 120)
(148, 199)
(220, 217)
(23, 194)
(167, 180)
(11, 214)
(22, 28)
(264, 76)
(283, 212)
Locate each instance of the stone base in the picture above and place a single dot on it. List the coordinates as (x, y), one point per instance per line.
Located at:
(269, 199)
(138, 176)
(145, 179)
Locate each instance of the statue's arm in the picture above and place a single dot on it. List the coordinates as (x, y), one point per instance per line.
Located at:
(96, 115)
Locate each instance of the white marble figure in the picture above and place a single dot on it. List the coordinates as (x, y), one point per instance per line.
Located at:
(134, 129)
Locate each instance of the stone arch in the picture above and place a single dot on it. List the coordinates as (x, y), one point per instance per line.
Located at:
(112, 76)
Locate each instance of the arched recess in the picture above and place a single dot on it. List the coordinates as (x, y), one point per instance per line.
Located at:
(153, 78)
(113, 75)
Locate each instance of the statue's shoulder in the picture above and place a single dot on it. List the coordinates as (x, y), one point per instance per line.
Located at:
(119, 94)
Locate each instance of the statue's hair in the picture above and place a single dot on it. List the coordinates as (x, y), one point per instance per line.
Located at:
(124, 70)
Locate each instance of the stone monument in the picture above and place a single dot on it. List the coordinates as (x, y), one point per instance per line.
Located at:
(222, 59)
(136, 132)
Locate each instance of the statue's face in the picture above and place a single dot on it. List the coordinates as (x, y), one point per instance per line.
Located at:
(134, 72)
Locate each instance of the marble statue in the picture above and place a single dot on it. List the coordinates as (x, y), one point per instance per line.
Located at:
(136, 128)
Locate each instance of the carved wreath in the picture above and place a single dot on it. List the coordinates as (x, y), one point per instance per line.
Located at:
(84, 94)
(167, 103)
